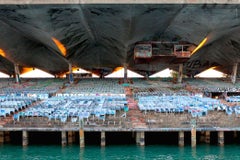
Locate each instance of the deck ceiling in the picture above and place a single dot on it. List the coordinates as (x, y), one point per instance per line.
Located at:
(102, 36)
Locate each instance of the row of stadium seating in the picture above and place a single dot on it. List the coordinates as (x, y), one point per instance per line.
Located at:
(63, 108)
(11, 104)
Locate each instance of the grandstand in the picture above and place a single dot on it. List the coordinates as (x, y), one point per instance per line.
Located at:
(102, 37)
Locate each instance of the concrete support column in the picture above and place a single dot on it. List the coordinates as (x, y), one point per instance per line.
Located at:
(140, 138)
(202, 137)
(70, 137)
(17, 73)
(207, 137)
(74, 137)
(24, 138)
(221, 138)
(64, 138)
(180, 73)
(1, 137)
(81, 138)
(234, 72)
(193, 137)
(234, 134)
(125, 73)
(103, 139)
(7, 136)
(70, 73)
(181, 138)
(137, 138)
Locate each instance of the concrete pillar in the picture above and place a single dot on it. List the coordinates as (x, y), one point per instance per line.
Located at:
(70, 73)
(103, 139)
(73, 137)
(234, 72)
(1, 137)
(81, 138)
(207, 137)
(221, 138)
(180, 73)
(137, 138)
(140, 138)
(70, 137)
(181, 138)
(24, 138)
(64, 138)
(202, 137)
(125, 73)
(193, 137)
(7, 136)
(17, 73)
(235, 134)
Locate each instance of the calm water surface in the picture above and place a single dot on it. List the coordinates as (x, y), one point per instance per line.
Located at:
(123, 152)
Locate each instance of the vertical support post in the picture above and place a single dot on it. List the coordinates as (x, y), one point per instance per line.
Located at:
(125, 73)
(17, 73)
(1, 137)
(7, 137)
(70, 137)
(103, 139)
(207, 137)
(70, 73)
(137, 138)
(74, 136)
(202, 137)
(235, 134)
(193, 137)
(221, 138)
(181, 138)
(64, 138)
(81, 134)
(234, 72)
(81, 138)
(142, 138)
(24, 138)
(180, 73)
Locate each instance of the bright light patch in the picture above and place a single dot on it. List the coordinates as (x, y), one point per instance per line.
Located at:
(211, 73)
(199, 46)
(25, 70)
(163, 73)
(79, 70)
(60, 46)
(120, 74)
(3, 75)
(2, 53)
(36, 73)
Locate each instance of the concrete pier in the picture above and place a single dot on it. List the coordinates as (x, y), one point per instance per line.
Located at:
(81, 138)
(7, 137)
(70, 137)
(207, 137)
(180, 73)
(64, 138)
(140, 138)
(181, 138)
(103, 139)
(1, 137)
(234, 72)
(24, 138)
(125, 73)
(193, 137)
(221, 138)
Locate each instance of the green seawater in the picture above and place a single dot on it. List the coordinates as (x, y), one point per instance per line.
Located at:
(120, 152)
